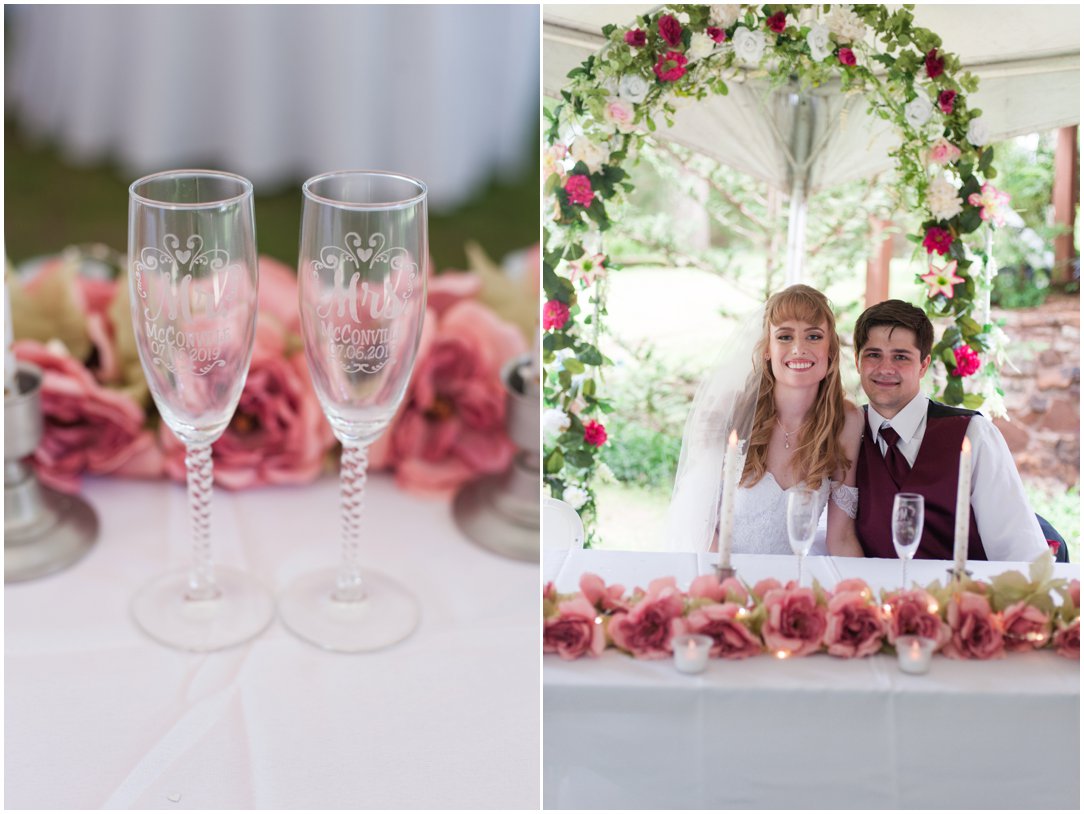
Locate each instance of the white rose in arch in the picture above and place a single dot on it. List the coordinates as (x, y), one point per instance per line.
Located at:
(619, 114)
(555, 422)
(818, 42)
(633, 88)
(978, 133)
(725, 16)
(918, 111)
(749, 46)
(575, 497)
(591, 153)
(943, 199)
(700, 46)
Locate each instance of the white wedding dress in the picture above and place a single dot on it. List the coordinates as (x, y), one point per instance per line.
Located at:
(760, 515)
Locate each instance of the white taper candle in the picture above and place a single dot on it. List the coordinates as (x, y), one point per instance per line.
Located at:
(963, 509)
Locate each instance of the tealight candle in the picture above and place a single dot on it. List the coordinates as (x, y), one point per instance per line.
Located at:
(691, 653)
(914, 653)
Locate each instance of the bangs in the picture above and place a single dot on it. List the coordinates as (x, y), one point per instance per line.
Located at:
(801, 307)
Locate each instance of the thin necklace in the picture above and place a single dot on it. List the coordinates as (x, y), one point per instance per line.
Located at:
(786, 433)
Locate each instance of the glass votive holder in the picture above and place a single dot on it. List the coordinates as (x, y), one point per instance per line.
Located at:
(691, 653)
(914, 654)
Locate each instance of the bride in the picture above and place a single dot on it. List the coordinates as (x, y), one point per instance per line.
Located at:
(779, 387)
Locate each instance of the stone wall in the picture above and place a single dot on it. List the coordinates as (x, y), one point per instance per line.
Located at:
(1043, 394)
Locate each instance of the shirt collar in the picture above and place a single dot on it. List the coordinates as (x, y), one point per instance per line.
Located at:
(906, 421)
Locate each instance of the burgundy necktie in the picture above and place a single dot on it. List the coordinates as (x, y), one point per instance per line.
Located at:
(897, 464)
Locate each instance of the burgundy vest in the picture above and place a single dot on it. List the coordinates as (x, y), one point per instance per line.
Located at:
(934, 476)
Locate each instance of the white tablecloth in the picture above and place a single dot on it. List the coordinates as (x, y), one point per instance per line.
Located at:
(815, 732)
(448, 94)
(99, 716)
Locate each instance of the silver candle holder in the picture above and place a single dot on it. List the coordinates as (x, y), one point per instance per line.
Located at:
(44, 531)
(500, 512)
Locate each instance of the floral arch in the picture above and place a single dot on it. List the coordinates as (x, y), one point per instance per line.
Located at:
(618, 96)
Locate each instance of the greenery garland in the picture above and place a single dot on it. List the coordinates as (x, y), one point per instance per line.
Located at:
(614, 100)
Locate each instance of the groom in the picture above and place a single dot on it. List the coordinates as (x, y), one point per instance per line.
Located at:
(912, 444)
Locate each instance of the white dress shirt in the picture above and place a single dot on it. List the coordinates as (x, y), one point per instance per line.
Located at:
(1006, 522)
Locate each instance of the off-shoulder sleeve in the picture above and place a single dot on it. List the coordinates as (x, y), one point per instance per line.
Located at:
(846, 497)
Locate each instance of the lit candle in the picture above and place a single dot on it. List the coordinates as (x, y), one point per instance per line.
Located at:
(726, 510)
(914, 654)
(691, 653)
(9, 340)
(963, 509)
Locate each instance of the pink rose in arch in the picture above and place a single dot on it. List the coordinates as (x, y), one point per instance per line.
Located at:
(967, 361)
(943, 152)
(579, 190)
(555, 315)
(717, 34)
(594, 433)
(946, 100)
(846, 56)
(636, 38)
(671, 66)
(937, 240)
(670, 30)
(935, 65)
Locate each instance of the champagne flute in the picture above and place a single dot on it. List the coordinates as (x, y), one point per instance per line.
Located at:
(193, 282)
(803, 511)
(908, 515)
(361, 286)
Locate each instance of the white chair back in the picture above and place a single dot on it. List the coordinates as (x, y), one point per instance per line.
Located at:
(561, 525)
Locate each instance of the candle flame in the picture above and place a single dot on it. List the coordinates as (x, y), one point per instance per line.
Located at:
(932, 607)
(742, 613)
(887, 609)
(598, 620)
(782, 654)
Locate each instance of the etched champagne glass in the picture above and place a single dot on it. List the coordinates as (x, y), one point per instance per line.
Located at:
(803, 512)
(908, 517)
(361, 286)
(193, 283)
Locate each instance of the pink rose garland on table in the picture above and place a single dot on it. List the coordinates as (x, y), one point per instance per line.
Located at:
(725, 624)
(915, 613)
(1026, 627)
(856, 627)
(88, 428)
(450, 427)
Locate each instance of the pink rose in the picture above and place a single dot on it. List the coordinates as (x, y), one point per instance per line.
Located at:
(1074, 592)
(717, 34)
(450, 427)
(579, 190)
(278, 296)
(601, 596)
(555, 315)
(636, 38)
(854, 585)
(670, 30)
(761, 589)
(671, 66)
(575, 631)
(935, 65)
(778, 22)
(594, 433)
(855, 627)
(937, 240)
(549, 591)
(846, 56)
(1067, 640)
(915, 613)
(967, 361)
(1026, 627)
(708, 586)
(795, 623)
(943, 152)
(645, 630)
(976, 630)
(946, 100)
(88, 428)
(731, 638)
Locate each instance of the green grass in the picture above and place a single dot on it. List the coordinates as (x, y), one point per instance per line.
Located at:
(50, 204)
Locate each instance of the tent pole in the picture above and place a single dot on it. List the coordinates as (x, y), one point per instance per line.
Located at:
(801, 143)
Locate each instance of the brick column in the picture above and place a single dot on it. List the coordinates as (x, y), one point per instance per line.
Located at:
(1066, 196)
(877, 266)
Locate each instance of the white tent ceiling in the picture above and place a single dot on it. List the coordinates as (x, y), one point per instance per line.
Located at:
(1027, 58)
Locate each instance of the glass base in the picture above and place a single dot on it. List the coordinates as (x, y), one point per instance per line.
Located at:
(387, 615)
(243, 609)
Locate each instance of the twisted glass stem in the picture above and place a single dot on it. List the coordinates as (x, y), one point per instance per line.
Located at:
(352, 477)
(201, 579)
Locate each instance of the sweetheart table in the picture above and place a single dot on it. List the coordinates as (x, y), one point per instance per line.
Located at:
(100, 716)
(814, 732)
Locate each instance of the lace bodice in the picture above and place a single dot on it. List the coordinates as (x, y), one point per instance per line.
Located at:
(760, 516)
